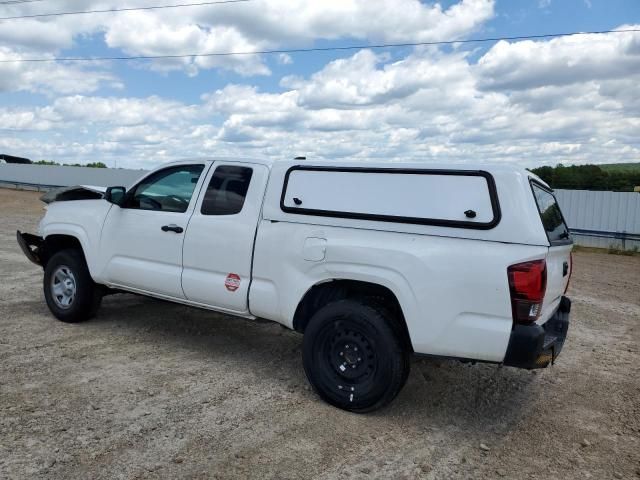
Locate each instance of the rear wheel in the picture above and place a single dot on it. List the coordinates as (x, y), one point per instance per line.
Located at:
(70, 292)
(353, 357)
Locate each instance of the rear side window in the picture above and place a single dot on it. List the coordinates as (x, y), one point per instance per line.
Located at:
(551, 216)
(227, 190)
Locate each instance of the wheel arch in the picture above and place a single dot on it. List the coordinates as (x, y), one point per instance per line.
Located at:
(55, 242)
(330, 290)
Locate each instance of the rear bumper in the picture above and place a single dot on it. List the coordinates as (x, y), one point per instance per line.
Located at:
(536, 346)
(31, 246)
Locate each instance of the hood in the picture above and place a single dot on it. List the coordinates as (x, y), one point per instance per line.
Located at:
(74, 192)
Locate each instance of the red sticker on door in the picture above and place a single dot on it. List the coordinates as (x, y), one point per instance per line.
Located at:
(232, 283)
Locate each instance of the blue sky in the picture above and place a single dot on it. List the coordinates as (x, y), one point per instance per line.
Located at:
(570, 100)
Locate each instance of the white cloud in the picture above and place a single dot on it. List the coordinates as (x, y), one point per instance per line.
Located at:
(284, 59)
(357, 81)
(50, 77)
(247, 26)
(35, 36)
(121, 111)
(571, 99)
(21, 120)
(560, 61)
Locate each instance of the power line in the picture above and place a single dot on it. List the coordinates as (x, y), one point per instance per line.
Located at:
(125, 9)
(17, 2)
(314, 49)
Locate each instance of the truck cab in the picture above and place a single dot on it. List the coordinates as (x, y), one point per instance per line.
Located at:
(371, 262)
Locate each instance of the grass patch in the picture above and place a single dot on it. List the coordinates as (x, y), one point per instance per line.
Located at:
(618, 251)
(612, 250)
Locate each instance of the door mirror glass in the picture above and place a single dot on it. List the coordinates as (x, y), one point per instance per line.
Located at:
(115, 195)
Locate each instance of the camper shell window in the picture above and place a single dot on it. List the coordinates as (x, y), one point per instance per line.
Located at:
(449, 198)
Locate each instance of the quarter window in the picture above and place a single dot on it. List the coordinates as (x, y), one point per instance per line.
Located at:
(551, 216)
(168, 190)
(227, 190)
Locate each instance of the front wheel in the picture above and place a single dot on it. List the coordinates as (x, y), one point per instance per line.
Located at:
(353, 357)
(70, 292)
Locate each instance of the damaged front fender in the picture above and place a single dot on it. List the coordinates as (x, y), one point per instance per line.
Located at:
(75, 192)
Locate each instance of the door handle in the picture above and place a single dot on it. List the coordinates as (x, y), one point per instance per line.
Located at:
(172, 228)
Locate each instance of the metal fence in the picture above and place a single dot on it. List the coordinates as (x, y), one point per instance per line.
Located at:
(602, 219)
(43, 177)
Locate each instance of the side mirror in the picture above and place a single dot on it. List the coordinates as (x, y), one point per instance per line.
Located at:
(115, 195)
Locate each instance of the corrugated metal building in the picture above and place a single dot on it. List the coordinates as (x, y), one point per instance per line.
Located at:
(47, 176)
(602, 219)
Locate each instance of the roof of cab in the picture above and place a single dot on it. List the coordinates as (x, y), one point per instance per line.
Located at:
(259, 160)
(358, 163)
(269, 163)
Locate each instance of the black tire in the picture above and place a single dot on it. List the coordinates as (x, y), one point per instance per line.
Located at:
(353, 356)
(71, 266)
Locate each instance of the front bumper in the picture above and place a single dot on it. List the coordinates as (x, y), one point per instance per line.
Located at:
(31, 245)
(536, 346)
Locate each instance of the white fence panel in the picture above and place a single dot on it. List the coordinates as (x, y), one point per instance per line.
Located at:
(47, 176)
(602, 219)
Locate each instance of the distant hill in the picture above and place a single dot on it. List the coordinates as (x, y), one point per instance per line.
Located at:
(621, 167)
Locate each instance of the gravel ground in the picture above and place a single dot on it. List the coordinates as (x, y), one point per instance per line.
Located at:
(154, 390)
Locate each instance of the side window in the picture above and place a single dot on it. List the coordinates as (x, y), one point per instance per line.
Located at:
(168, 190)
(227, 190)
(550, 214)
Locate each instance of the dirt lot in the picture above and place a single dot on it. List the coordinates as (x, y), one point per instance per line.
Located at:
(154, 390)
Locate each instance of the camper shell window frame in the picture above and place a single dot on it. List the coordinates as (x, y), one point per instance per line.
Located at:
(553, 243)
(491, 187)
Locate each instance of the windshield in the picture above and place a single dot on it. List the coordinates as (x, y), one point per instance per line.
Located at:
(552, 219)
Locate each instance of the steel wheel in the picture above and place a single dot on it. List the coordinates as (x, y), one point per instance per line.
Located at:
(63, 287)
(70, 292)
(353, 357)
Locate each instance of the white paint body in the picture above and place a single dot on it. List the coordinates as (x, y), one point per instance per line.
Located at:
(451, 282)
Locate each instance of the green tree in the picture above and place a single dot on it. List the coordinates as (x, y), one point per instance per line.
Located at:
(90, 165)
(45, 162)
(588, 177)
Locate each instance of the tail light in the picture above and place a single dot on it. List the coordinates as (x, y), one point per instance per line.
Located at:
(570, 272)
(527, 283)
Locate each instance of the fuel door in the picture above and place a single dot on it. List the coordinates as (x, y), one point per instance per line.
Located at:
(314, 249)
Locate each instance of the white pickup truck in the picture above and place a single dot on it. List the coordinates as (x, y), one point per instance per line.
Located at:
(371, 262)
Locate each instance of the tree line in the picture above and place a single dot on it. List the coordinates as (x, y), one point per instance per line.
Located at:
(590, 177)
(90, 165)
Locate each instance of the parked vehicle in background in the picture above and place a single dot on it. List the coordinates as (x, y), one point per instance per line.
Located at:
(371, 262)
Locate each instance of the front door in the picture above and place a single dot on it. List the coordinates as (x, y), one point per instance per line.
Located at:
(218, 246)
(141, 242)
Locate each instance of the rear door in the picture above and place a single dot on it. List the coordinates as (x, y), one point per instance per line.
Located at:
(218, 244)
(560, 245)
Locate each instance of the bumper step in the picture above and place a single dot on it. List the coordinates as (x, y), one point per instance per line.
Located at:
(537, 346)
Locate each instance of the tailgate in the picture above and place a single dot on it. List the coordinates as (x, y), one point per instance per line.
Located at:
(558, 273)
(560, 245)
